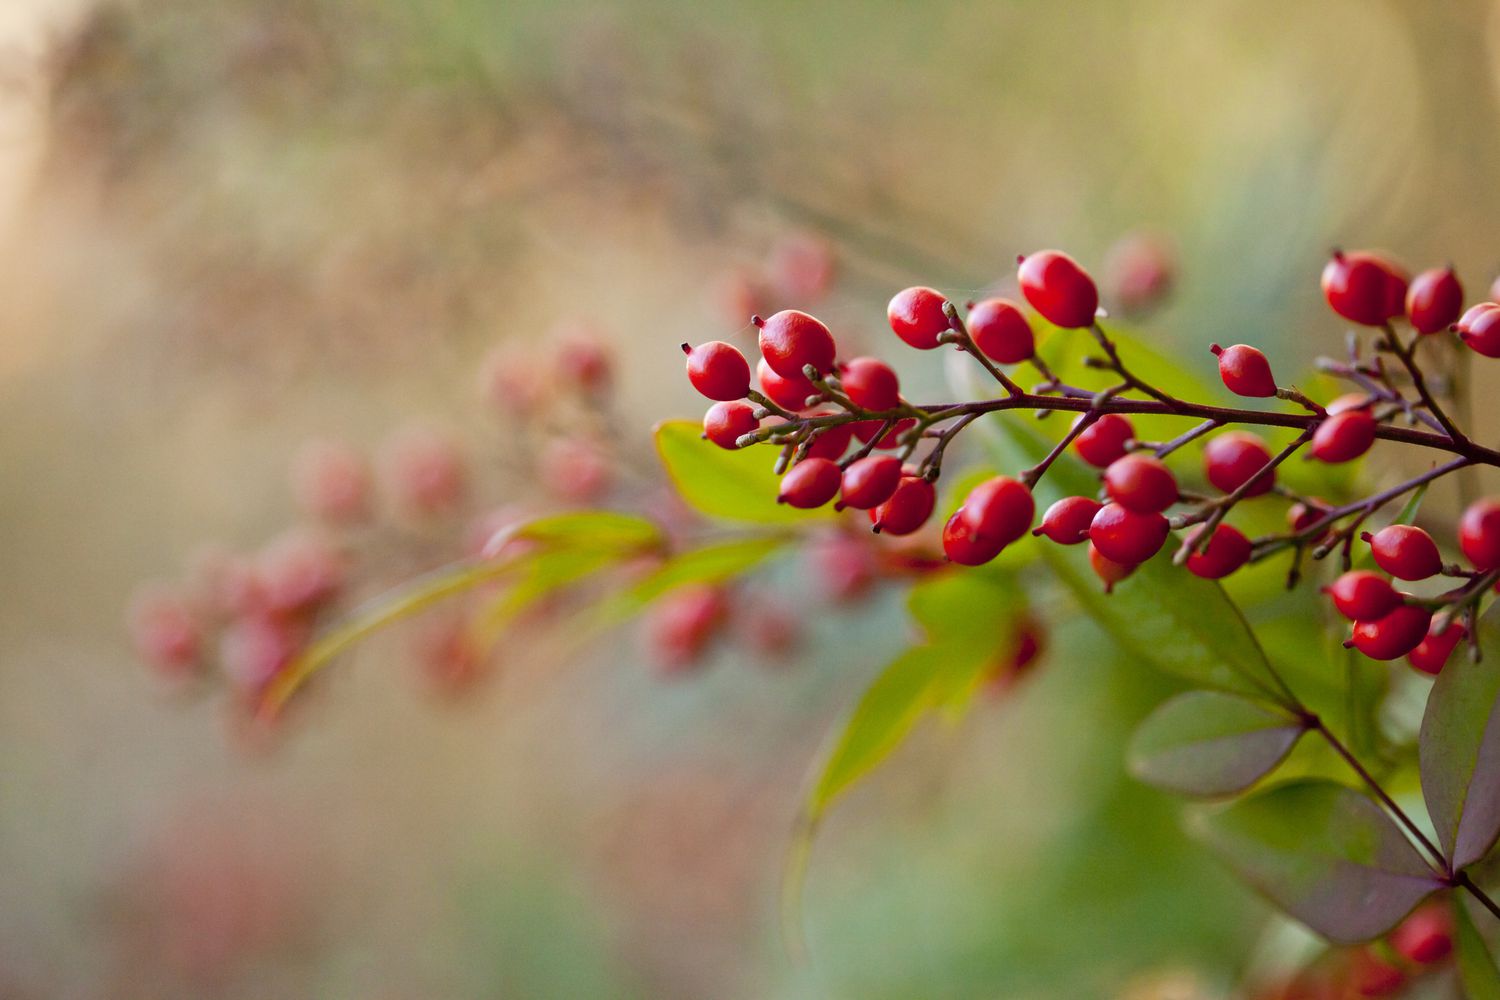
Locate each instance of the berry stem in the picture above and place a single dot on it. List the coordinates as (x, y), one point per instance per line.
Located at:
(1419, 382)
(961, 338)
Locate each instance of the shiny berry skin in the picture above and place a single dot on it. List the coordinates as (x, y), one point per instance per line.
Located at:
(1425, 937)
(1226, 552)
(787, 393)
(1141, 483)
(866, 430)
(831, 442)
(1473, 313)
(907, 509)
(871, 383)
(870, 481)
(1364, 288)
(1231, 460)
(1481, 334)
(1300, 516)
(1349, 401)
(917, 317)
(1000, 508)
(1245, 371)
(1104, 441)
(726, 421)
(1125, 536)
(1107, 569)
(1392, 636)
(1000, 330)
(1404, 551)
(1434, 299)
(1059, 289)
(1344, 436)
(1433, 651)
(810, 483)
(1479, 534)
(791, 340)
(1363, 595)
(1067, 521)
(963, 545)
(718, 370)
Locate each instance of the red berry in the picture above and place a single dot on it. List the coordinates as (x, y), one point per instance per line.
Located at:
(1107, 569)
(788, 393)
(1228, 549)
(871, 383)
(1434, 299)
(332, 482)
(916, 314)
(1344, 436)
(1245, 371)
(582, 360)
(831, 442)
(810, 483)
(1425, 937)
(726, 421)
(1126, 536)
(1303, 515)
(1479, 534)
(1396, 634)
(1103, 441)
(907, 509)
(1433, 651)
(299, 571)
(1141, 483)
(1231, 460)
(718, 370)
(1362, 595)
(1350, 401)
(1404, 551)
(999, 509)
(1059, 289)
(791, 340)
(1000, 330)
(166, 631)
(1473, 313)
(1369, 975)
(1481, 332)
(965, 546)
(870, 481)
(866, 430)
(1364, 288)
(424, 471)
(1067, 521)
(846, 565)
(802, 267)
(682, 623)
(1138, 272)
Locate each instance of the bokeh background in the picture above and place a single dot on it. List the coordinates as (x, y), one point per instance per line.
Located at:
(229, 225)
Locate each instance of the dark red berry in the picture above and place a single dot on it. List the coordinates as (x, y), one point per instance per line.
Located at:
(871, 383)
(681, 625)
(1362, 595)
(963, 545)
(1425, 937)
(1479, 534)
(1001, 331)
(812, 482)
(1067, 521)
(1304, 514)
(1227, 550)
(866, 430)
(1059, 289)
(1245, 371)
(1392, 636)
(1107, 569)
(1364, 288)
(1433, 651)
(1481, 333)
(1231, 460)
(726, 421)
(1370, 975)
(1126, 536)
(907, 509)
(1344, 436)
(787, 393)
(831, 442)
(791, 340)
(718, 370)
(1473, 313)
(1434, 299)
(1104, 441)
(1405, 551)
(870, 481)
(916, 314)
(1141, 483)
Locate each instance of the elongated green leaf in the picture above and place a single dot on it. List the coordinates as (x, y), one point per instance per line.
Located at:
(709, 564)
(1207, 743)
(737, 485)
(535, 580)
(593, 529)
(1476, 965)
(1323, 853)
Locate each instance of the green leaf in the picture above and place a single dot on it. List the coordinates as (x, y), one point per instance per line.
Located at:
(593, 529)
(536, 579)
(1325, 854)
(737, 485)
(709, 564)
(1476, 966)
(1207, 743)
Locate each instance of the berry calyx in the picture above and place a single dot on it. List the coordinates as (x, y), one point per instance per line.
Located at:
(727, 421)
(1058, 288)
(810, 483)
(1228, 549)
(1344, 436)
(1434, 299)
(1067, 521)
(1392, 636)
(871, 383)
(870, 481)
(791, 340)
(1141, 483)
(1405, 551)
(1480, 330)
(1479, 534)
(1001, 332)
(908, 508)
(1126, 536)
(718, 370)
(787, 392)
(1107, 569)
(1433, 651)
(999, 509)
(1364, 288)
(1245, 371)
(1425, 937)
(965, 546)
(1104, 440)
(1231, 460)
(1363, 595)
(916, 315)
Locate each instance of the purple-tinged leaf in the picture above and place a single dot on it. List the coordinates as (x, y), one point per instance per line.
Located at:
(1460, 758)
(1210, 744)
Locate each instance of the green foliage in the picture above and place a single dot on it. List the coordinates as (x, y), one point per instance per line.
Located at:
(1208, 743)
(733, 485)
(1476, 966)
(709, 564)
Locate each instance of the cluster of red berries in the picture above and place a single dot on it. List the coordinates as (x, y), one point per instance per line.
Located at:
(1420, 946)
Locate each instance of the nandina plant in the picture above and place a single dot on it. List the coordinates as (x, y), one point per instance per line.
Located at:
(1165, 509)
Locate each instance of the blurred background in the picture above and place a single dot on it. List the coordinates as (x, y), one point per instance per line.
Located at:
(229, 226)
